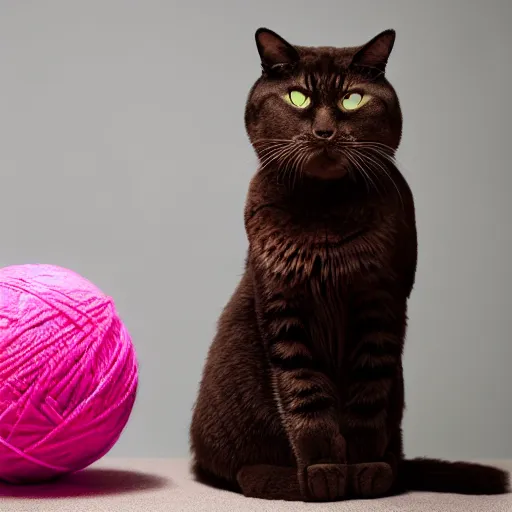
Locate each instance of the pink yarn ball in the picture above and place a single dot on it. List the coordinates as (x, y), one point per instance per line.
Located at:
(68, 373)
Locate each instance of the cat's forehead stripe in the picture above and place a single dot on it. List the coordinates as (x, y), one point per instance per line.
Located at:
(325, 68)
(337, 57)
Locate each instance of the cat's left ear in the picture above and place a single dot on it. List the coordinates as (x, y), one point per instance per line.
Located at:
(375, 53)
(275, 53)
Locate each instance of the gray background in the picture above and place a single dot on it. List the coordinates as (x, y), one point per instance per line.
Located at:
(123, 156)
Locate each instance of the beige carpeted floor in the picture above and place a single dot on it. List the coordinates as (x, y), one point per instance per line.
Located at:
(158, 485)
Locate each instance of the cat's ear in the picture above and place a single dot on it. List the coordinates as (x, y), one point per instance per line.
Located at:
(275, 53)
(375, 53)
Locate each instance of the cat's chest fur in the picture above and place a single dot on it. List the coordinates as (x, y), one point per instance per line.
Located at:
(320, 258)
(326, 250)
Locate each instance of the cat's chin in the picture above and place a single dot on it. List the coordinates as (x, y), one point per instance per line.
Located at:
(324, 167)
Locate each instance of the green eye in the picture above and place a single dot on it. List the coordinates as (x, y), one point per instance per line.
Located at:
(298, 99)
(352, 101)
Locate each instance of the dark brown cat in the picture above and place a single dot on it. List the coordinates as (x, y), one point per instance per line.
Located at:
(302, 394)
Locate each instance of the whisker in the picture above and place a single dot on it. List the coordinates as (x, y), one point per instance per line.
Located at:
(268, 159)
(271, 159)
(294, 159)
(283, 159)
(263, 141)
(359, 143)
(304, 161)
(357, 167)
(393, 160)
(387, 152)
(272, 147)
(286, 164)
(275, 154)
(365, 160)
(358, 158)
(381, 166)
(269, 156)
(386, 172)
(301, 156)
(271, 150)
(370, 142)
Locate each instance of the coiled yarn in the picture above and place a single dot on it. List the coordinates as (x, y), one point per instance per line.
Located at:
(68, 373)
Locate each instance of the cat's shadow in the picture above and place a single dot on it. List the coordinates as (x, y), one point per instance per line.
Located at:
(88, 483)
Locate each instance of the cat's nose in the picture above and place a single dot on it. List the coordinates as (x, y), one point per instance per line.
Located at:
(323, 126)
(323, 134)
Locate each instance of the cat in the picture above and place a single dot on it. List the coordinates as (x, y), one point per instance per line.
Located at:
(302, 393)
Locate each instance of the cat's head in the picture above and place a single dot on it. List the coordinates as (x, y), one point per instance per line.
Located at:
(322, 110)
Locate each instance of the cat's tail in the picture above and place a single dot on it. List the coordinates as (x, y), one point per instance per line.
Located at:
(452, 477)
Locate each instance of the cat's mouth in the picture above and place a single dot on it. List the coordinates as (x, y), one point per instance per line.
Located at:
(329, 152)
(327, 163)
(324, 151)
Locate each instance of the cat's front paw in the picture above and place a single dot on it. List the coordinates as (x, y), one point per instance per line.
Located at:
(326, 482)
(370, 479)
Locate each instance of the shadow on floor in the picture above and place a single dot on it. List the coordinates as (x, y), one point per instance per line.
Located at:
(89, 482)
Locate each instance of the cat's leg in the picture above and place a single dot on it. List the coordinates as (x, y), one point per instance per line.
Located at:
(281, 483)
(394, 457)
(378, 330)
(307, 399)
(376, 479)
(369, 479)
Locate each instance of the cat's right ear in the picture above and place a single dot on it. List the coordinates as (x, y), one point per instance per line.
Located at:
(276, 54)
